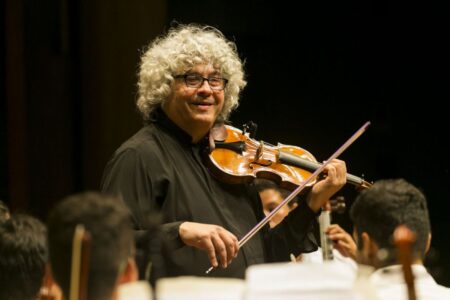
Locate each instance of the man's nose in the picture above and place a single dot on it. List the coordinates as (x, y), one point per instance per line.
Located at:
(205, 86)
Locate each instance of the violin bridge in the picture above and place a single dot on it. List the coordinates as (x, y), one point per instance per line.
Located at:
(259, 152)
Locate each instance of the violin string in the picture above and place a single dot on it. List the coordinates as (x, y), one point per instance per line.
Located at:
(268, 149)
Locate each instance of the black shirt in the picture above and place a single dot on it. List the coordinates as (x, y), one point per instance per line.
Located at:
(160, 170)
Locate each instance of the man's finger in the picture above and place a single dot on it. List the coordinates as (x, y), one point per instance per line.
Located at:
(221, 249)
(209, 247)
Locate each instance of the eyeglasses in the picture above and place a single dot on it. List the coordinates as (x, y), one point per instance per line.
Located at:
(196, 81)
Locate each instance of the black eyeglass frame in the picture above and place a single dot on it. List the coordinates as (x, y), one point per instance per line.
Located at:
(203, 79)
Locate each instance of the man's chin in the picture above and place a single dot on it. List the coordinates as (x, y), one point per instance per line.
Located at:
(205, 119)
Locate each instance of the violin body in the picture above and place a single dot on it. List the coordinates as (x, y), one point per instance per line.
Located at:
(241, 159)
(234, 157)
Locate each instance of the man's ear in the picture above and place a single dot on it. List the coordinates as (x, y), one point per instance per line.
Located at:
(365, 244)
(48, 279)
(427, 248)
(368, 250)
(130, 273)
(50, 288)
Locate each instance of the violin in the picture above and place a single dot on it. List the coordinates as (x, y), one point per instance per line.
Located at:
(324, 219)
(325, 242)
(235, 157)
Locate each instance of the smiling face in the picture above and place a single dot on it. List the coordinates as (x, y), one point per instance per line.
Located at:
(195, 109)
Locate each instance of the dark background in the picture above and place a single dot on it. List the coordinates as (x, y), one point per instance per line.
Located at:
(315, 74)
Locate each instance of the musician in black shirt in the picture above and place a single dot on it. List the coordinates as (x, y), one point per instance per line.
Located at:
(189, 80)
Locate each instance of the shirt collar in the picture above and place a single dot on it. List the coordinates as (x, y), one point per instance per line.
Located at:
(394, 274)
(159, 117)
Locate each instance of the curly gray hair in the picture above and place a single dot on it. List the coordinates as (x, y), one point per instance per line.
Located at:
(179, 50)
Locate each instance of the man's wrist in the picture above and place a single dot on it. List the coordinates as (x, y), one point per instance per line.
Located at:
(314, 204)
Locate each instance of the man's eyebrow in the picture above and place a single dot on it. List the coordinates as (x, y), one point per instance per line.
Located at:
(213, 74)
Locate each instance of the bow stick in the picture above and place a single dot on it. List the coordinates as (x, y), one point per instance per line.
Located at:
(289, 198)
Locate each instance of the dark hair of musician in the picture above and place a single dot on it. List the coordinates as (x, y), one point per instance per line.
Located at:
(108, 222)
(387, 204)
(23, 255)
(262, 184)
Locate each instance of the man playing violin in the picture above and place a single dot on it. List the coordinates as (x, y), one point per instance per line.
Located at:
(190, 79)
